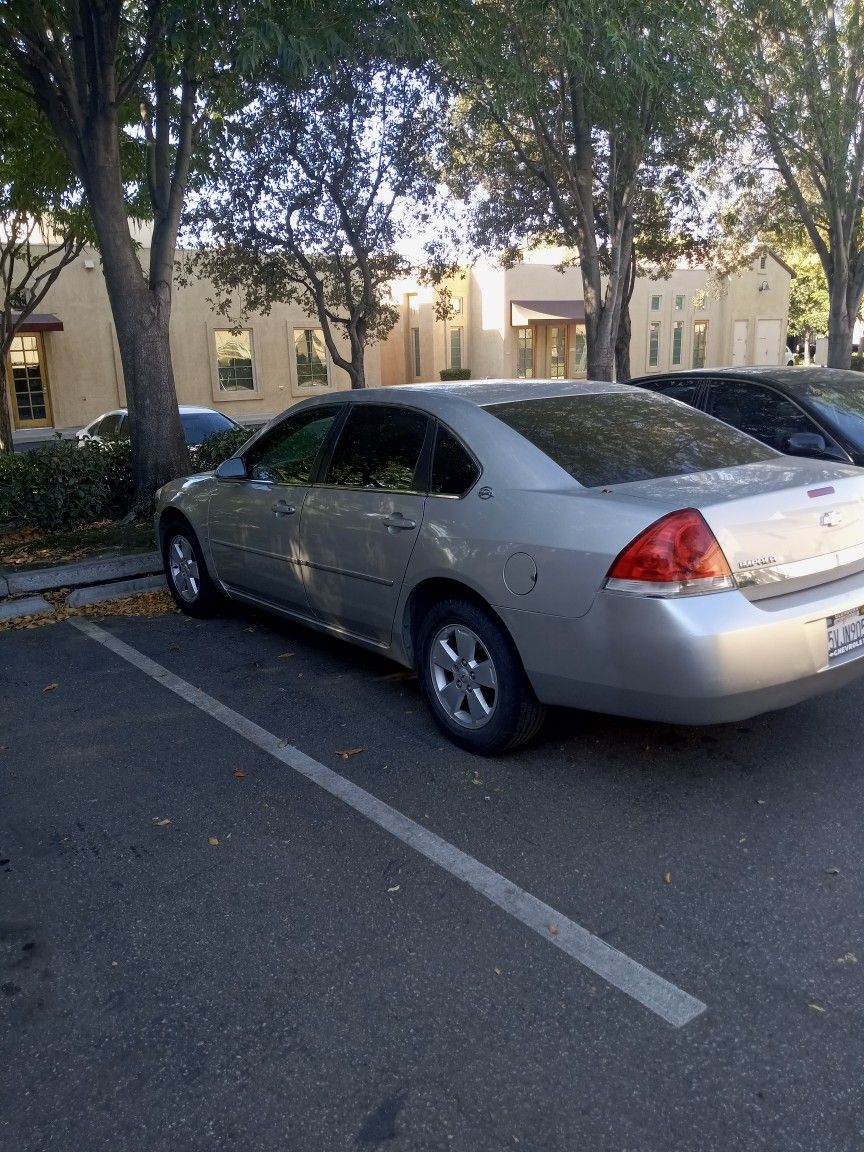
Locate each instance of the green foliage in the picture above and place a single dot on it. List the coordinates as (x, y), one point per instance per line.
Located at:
(455, 373)
(857, 364)
(218, 447)
(65, 484)
(310, 195)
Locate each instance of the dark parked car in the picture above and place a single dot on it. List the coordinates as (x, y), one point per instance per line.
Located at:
(801, 411)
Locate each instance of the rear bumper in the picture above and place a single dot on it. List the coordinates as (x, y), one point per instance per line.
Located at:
(693, 660)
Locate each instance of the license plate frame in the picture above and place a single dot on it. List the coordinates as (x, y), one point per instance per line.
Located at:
(845, 633)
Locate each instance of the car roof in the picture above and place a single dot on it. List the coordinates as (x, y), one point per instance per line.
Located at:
(797, 381)
(482, 392)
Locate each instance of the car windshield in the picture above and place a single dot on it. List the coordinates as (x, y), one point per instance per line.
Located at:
(197, 426)
(842, 405)
(620, 437)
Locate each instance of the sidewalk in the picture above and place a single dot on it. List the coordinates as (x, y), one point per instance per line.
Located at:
(88, 581)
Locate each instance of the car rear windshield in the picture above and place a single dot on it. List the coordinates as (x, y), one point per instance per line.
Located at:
(197, 426)
(619, 437)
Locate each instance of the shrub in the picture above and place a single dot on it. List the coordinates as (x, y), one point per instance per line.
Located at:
(218, 447)
(65, 484)
(857, 364)
(455, 373)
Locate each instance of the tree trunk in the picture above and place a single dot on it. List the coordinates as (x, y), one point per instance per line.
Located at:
(622, 345)
(142, 317)
(839, 327)
(5, 415)
(808, 335)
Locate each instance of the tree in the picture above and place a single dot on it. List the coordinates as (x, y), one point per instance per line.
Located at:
(562, 109)
(311, 196)
(808, 294)
(42, 227)
(130, 89)
(799, 66)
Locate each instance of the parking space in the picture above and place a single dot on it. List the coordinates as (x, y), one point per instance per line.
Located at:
(310, 980)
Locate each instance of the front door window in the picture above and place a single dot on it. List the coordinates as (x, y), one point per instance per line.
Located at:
(31, 407)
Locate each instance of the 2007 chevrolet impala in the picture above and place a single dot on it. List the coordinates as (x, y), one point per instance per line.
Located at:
(523, 543)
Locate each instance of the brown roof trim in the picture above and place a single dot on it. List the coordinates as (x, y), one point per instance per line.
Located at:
(41, 322)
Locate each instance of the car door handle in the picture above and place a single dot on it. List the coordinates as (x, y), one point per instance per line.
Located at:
(399, 523)
(283, 508)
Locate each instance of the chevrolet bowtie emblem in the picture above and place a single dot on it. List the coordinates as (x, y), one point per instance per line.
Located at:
(830, 519)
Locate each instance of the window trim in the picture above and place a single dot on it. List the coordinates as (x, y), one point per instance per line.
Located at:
(220, 393)
(654, 328)
(677, 326)
(11, 397)
(658, 296)
(682, 296)
(460, 328)
(697, 324)
(531, 332)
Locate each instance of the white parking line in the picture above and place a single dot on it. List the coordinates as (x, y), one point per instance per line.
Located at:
(666, 1000)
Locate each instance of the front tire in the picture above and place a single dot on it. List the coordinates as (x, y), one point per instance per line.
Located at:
(473, 680)
(189, 581)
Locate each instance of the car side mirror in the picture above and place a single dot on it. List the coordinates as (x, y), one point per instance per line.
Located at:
(232, 469)
(812, 444)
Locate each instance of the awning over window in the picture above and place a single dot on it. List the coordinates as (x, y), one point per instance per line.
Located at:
(42, 322)
(525, 312)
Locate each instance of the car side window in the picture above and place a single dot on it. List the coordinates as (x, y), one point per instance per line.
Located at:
(287, 454)
(684, 390)
(109, 428)
(453, 469)
(758, 411)
(379, 447)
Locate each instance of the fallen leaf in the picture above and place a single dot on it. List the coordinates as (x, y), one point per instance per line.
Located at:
(174, 648)
(395, 888)
(346, 752)
(832, 871)
(50, 687)
(497, 971)
(667, 877)
(552, 929)
(213, 841)
(476, 779)
(849, 958)
(239, 774)
(285, 655)
(761, 801)
(816, 1007)
(160, 822)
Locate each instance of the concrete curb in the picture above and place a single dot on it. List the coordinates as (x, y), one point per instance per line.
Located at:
(82, 597)
(82, 573)
(31, 606)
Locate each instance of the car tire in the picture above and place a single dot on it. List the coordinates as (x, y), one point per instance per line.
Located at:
(473, 681)
(186, 572)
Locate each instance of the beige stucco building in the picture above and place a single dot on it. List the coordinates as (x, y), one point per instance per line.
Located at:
(528, 321)
(523, 321)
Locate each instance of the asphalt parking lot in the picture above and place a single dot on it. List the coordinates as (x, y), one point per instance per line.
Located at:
(202, 947)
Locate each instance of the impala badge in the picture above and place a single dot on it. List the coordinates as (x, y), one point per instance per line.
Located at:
(830, 519)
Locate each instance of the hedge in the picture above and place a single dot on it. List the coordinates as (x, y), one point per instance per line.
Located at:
(73, 482)
(455, 373)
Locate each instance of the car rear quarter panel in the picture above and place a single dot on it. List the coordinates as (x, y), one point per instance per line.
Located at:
(572, 536)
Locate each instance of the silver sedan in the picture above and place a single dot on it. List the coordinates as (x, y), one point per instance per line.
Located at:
(531, 543)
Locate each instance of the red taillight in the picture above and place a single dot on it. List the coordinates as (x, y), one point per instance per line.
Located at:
(678, 555)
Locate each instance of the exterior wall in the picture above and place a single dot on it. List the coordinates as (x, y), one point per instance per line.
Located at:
(491, 340)
(82, 363)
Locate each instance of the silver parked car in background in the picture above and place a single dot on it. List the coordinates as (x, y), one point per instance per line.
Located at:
(524, 543)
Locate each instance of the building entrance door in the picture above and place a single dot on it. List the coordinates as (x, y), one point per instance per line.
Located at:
(28, 383)
(739, 347)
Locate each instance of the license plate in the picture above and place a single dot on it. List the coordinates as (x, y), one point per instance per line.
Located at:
(845, 632)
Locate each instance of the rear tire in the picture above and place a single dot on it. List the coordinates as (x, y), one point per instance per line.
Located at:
(189, 581)
(473, 680)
